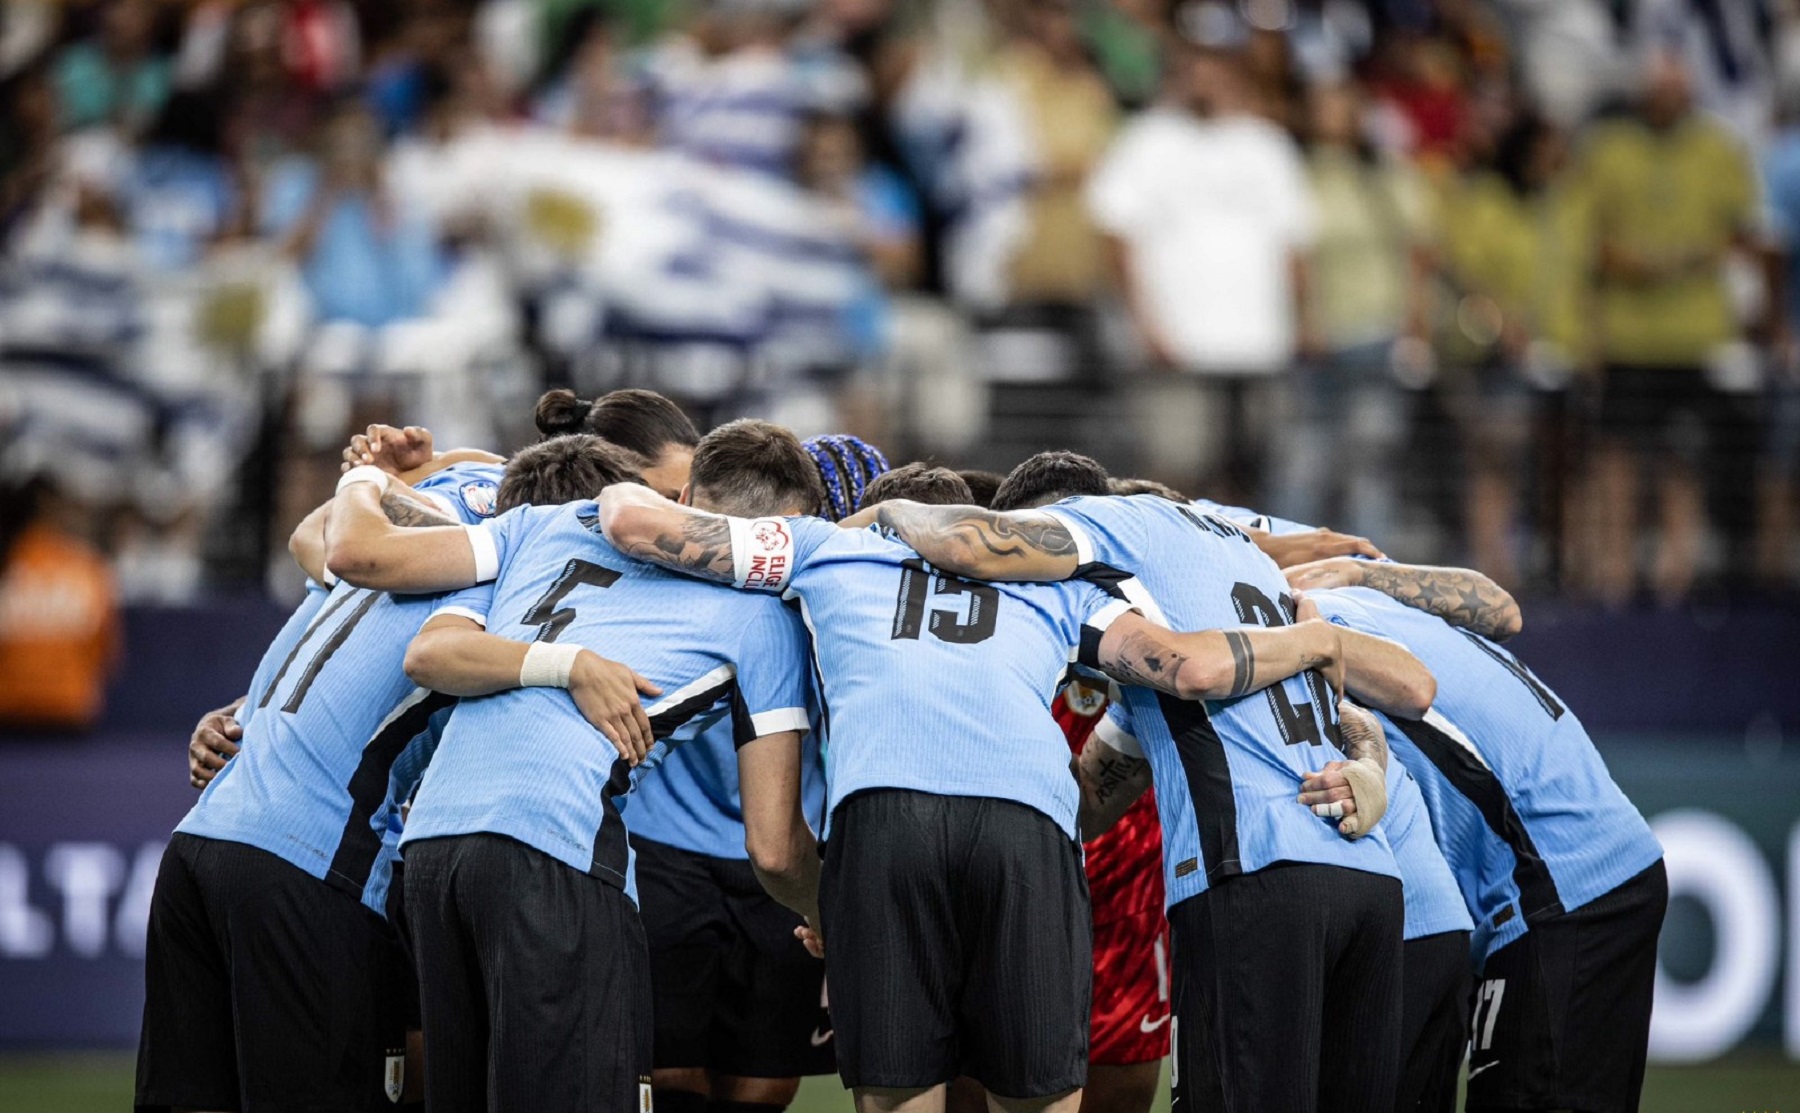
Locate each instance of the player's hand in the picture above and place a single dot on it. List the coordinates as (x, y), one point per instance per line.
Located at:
(607, 694)
(1352, 792)
(1305, 610)
(392, 450)
(1290, 549)
(214, 742)
(1318, 575)
(809, 935)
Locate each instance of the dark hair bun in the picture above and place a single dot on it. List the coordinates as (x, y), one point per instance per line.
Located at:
(560, 411)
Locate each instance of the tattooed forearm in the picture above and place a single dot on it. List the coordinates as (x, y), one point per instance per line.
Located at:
(1243, 661)
(700, 546)
(975, 542)
(1146, 660)
(407, 514)
(1459, 596)
(1115, 774)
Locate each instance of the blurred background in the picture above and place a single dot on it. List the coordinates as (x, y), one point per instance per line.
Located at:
(1499, 282)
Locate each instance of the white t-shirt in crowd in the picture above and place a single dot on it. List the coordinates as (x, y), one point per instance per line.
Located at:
(1211, 211)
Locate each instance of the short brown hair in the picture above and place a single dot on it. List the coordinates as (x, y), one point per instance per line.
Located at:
(1051, 477)
(749, 468)
(565, 469)
(1146, 487)
(919, 482)
(983, 485)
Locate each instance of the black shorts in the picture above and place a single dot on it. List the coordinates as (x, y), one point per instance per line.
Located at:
(1287, 992)
(735, 992)
(533, 976)
(1436, 976)
(958, 940)
(1562, 1014)
(266, 988)
(1662, 411)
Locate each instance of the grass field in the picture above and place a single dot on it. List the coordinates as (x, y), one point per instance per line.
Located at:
(100, 1082)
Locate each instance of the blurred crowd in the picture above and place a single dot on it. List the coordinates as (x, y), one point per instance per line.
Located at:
(1496, 281)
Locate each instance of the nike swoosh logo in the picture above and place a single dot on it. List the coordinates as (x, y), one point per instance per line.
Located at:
(1483, 1067)
(820, 1039)
(1148, 1026)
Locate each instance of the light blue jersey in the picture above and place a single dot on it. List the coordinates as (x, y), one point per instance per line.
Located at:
(1227, 772)
(929, 682)
(1524, 809)
(1433, 900)
(285, 640)
(524, 763)
(337, 735)
(694, 803)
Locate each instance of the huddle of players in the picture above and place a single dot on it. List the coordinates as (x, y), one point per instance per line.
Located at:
(1332, 914)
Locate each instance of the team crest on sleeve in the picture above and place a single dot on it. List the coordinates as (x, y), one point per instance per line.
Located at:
(1084, 700)
(481, 497)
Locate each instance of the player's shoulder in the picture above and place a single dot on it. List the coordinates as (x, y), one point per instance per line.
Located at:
(470, 489)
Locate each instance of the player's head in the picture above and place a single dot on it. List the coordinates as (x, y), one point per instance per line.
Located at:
(566, 469)
(1146, 487)
(640, 420)
(752, 468)
(920, 483)
(983, 485)
(1051, 477)
(846, 466)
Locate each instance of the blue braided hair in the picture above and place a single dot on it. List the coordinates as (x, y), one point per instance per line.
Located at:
(848, 465)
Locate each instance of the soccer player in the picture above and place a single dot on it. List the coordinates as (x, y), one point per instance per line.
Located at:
(954, 911)
(643, 421)
(1287, 936)
(847, 465)
(1562, 875)
(533, 965)
(284, 864)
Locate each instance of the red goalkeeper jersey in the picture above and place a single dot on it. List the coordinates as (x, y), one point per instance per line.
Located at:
(1124, 865)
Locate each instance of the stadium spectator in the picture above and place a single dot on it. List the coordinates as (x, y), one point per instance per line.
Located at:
(1366, 304)
(1513, 264)
(1674, 197)
(58, 616)
(1208, 214)
(116, 77)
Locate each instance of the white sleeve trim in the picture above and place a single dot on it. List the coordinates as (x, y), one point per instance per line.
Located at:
(487, 554)
(780, 719)
(460, 612)
(1104, 617)
(1084, 547)
(762, 553)
(1115, 737)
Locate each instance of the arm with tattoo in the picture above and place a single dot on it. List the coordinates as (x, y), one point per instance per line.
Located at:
(1111, 781)
(646, 525)
(367, 548)
(308, 545)
(1460, 596)
(1214, 664)
(984, 544)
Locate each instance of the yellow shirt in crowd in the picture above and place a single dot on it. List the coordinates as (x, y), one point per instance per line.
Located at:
(1674, 200)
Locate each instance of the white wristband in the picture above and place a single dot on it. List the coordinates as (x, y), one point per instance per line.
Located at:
(548, 665)
(364, 473)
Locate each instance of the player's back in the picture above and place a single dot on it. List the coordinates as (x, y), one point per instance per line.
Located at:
(335, 735)
(524, 762)
(1241, 760)
(1521, 802)
(933, 683)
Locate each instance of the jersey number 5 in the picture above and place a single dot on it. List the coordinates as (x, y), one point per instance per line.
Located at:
(548, 614)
